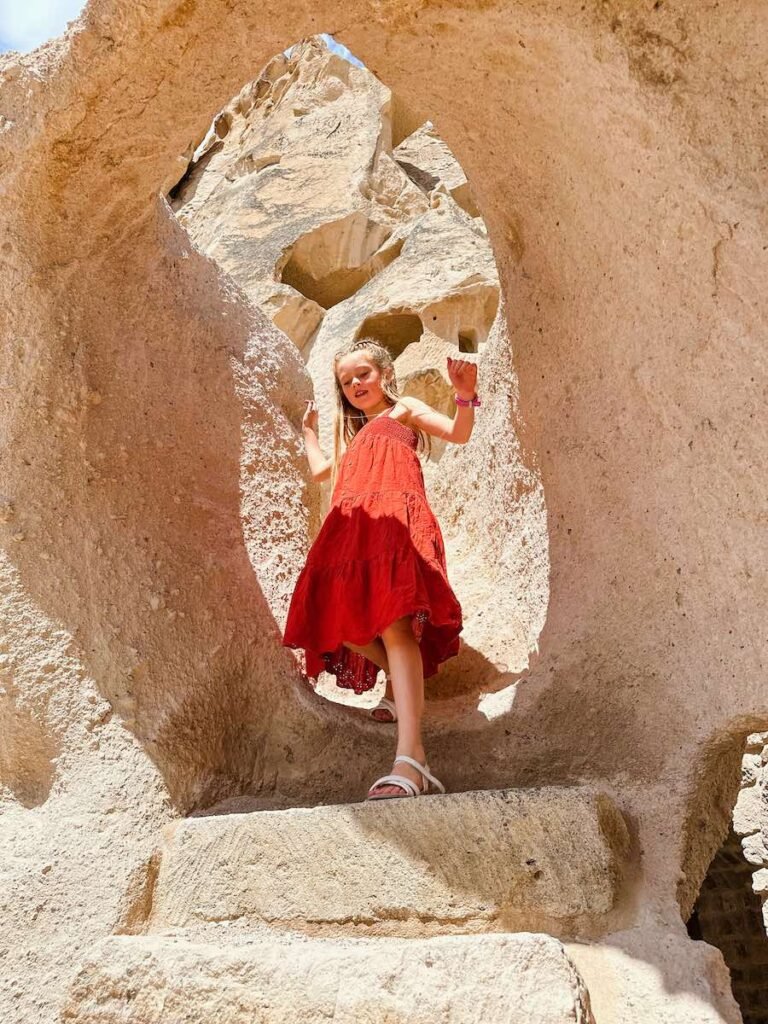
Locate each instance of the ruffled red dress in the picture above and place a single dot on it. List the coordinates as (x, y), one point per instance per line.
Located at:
(379, 555)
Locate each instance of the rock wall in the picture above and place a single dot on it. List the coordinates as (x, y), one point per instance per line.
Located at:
(750, 816)
(337, 231)
(154, 501)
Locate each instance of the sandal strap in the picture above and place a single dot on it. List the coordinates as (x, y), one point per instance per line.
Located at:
(385, 704)
(410, 788)
(423, 768)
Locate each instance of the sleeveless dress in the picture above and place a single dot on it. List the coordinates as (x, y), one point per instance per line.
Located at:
(379, 555)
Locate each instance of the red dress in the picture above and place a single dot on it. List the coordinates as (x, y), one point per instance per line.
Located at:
(379, 555)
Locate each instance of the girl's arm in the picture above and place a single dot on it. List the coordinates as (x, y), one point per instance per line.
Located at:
(463, 376)
(319, 466)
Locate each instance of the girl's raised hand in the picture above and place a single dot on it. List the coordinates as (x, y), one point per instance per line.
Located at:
(463, 376)
(309, 420)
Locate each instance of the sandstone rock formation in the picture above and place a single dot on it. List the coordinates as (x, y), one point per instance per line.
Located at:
(516, 979)
(551, 860)
(300, 193)
(155, 506)
(295, 191)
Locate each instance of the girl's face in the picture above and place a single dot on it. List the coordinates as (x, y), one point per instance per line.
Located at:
(360, 379)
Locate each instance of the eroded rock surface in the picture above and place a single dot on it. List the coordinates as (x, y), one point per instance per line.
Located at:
(509, 979)
(155, 507)
(300, 193)
(551, 859)
(295, 191)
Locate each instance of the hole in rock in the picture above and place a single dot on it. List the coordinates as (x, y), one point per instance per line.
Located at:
(396, 331)
(731, 909)
(27, 753)
(342, 215)
(465, 319)
(331, 263)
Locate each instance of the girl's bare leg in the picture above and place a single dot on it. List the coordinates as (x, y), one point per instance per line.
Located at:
(407, 673)
(375, 651)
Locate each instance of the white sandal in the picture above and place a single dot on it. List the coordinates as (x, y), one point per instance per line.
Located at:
(385, 704)
(409, 788)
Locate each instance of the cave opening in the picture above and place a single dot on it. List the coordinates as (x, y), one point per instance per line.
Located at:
(333, 262)
(395, 331)
(343, 215)
(731, 908)
(468, 340)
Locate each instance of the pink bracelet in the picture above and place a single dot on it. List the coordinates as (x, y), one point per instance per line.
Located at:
(467, 401)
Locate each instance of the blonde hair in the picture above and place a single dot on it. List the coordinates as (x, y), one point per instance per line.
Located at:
(349, 420)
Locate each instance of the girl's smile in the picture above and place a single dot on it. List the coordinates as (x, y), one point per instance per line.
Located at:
(361, 379)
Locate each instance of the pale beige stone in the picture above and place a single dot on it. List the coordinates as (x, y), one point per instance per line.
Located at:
(751, 769)
(755, 850)
(296, 193)
(507, 979)
(523, 860)
(426, 159)
(616, 153)
(657, 974)
(750, 810)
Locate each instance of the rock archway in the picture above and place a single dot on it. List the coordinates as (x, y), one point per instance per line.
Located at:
(152, 481)
(300, 195)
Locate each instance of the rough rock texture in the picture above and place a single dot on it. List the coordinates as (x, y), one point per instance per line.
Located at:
(295, 191)
(510, 979)
(542, 860)
(656, 973)
(154, 500)
(427, 160)
(300, 192)
(750, 815)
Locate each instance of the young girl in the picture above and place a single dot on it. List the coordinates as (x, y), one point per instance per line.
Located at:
(374, 591)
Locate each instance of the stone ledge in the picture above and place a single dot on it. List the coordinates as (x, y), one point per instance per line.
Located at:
(506, 979)
(522, 860)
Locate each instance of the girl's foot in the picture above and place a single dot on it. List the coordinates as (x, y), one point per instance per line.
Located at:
(405, 769)
(385, 710)
(401, 783)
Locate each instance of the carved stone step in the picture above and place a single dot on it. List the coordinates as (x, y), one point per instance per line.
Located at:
(535, 860)
(478, 979)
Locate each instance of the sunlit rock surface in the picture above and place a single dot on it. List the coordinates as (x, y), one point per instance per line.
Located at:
(155, 507)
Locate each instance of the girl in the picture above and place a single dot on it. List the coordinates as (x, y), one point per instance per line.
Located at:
(374, 591)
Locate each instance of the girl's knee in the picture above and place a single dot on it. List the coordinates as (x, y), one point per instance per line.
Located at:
(400, 629)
